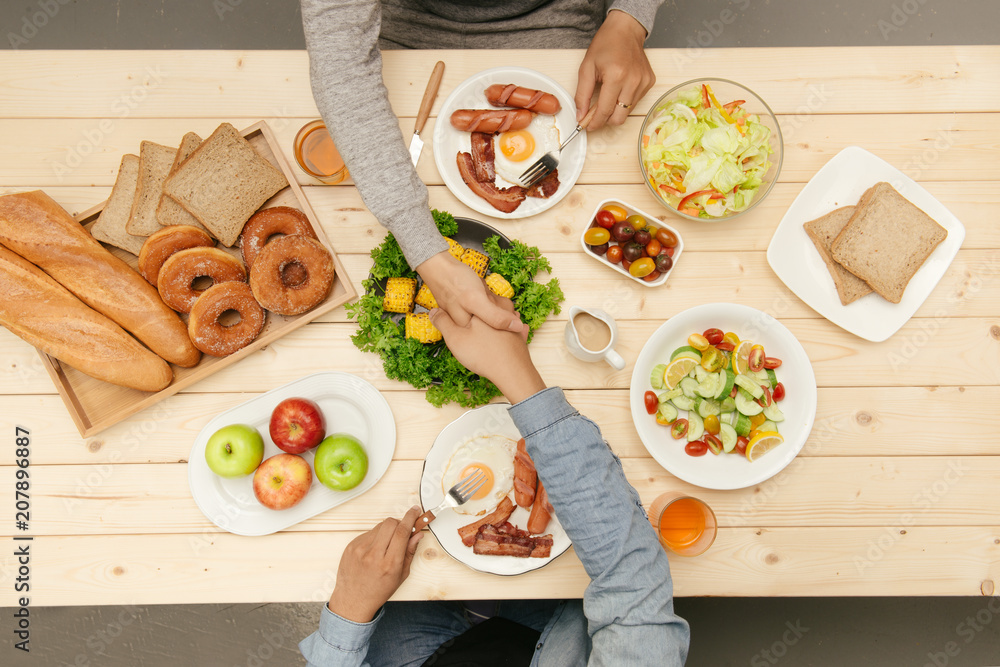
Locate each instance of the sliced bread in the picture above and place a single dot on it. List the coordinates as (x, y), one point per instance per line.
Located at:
(823, 231)
(154, 166)
(224, 182)
(169, 212)
(110, 225)
(886, 241)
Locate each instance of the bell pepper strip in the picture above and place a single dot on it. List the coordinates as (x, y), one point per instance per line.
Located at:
(722, 110)
(683, 202)
(732, 105)
(672, 191)
(704, 96)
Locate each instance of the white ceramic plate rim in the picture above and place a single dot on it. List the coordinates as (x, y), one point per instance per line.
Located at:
(795, 260)
(230, 503)
(447, 141)
(727, 471)
(486, 420)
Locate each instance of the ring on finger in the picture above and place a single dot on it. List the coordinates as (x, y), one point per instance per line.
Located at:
(623, 105)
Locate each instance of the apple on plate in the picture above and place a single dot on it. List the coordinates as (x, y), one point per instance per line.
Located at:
(341, 462)
(297, 425)
(282, 481)
(234, 451)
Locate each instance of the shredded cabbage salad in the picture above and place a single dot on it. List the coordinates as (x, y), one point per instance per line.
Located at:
(703, 158)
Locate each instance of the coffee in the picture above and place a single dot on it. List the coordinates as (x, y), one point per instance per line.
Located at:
(594, 334)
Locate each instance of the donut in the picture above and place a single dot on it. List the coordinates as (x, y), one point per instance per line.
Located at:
(212, 336)
(268, 222)
(292, 274)
(164, 243)
(176, 280)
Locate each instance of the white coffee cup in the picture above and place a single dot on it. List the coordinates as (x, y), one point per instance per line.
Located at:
(587, 332)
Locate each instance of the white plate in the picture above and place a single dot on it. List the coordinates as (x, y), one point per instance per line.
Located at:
(841, 182)
(727, 471)
(470, 94)
(349, 404)
(488, 420)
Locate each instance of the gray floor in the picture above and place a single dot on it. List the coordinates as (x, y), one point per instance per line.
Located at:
(933, 632)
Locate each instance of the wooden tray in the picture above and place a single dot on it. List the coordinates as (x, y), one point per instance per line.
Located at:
(95, 405)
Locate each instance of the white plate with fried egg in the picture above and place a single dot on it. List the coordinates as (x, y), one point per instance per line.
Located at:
(485, 437)
(546, 132)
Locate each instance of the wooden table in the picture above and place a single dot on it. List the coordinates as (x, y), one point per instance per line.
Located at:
(895, 493)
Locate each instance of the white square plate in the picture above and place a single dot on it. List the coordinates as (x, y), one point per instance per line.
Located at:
(841, 182)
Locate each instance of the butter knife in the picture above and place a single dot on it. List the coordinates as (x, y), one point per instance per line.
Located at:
(416, 143)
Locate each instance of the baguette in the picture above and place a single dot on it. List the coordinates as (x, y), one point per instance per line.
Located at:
(38, 229)
(42, 312)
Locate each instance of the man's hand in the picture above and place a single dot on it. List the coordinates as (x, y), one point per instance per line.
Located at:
(373, 566)
(617, 61)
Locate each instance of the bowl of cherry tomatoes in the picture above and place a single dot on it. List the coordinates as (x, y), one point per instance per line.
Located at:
(632, 242)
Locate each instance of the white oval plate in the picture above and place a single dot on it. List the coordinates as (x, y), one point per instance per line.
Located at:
(349, 404)
(470, 94)
(487, 420)
(727, 471)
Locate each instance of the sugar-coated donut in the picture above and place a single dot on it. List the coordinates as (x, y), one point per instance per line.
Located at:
(164, 243)
(292, 274)
(176, 280)
(268, 222)
(214, 338)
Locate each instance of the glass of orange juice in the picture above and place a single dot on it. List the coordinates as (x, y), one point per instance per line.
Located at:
(685, 525)
(316, 154)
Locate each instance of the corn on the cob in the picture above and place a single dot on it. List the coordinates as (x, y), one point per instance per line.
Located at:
(455, 248)
(499, 285)
(477, 260)
(399, 295)
(425, 298)
(418, 326)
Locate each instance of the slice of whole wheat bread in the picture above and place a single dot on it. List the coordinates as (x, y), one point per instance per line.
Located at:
(110, 224)
(169, 212)
(823, 231)
(154, 166)
(886, 241)
(224, 182)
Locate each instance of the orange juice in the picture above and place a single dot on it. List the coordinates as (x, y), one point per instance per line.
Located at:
(682, 523)
(316, 154)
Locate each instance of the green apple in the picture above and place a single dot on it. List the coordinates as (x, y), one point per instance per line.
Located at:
(341, 462)
(234, 450)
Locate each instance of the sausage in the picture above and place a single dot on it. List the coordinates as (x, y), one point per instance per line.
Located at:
(525, 477)
(512, 95)
(541, 511)
(490, 120)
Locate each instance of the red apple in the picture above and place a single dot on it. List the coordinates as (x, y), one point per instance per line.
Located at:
(297, 425)
(282, 481)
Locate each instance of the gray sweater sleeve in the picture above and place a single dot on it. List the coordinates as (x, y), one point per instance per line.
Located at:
(346, 72)
(643, 11)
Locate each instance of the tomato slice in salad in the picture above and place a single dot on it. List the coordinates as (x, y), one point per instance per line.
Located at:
(696, 448)
(679, 429)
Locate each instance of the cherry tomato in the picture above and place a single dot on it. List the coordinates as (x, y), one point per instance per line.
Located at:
(714, 336)
(713, 443)
(599, 249)
(741, 445)
(622, 232)
(642, 267)
(651, 401)
(698, 342)
(733, 393)
(605, 218)
(615, 254)
(756, 359)
(726, 346)
(666, 238)
(637, 221)
(596, 236)
(732, 339)
(663, 262)
(765, 400)
(642, 237)
(626, 263)
(696, 448)
(771, 362)
(679, 429)
(617, 211)
(712, 425)
(668, 249)
(633, 251)
(757, 420)
(653, 248)
(711, 359)
(653, 275)
(779, 392)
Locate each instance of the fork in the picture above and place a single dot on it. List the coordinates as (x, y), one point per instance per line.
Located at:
(457, 495)
(546, 164)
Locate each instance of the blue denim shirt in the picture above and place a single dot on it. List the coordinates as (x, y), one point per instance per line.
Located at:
(627, 617)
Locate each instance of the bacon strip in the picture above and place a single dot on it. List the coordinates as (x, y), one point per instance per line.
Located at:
(497, 517)
(505, 200)
(483, 156)
(507, 540)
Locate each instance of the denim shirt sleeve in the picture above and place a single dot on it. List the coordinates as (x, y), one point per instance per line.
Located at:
(338, 642)
(629, 602)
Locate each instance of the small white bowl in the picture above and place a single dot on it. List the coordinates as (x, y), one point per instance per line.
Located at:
(652, 221)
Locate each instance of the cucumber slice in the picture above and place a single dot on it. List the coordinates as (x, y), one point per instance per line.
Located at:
(683, 402)
(700, 373)
(709, 387)
(746, 405)
(665, 396)
(760, 376)
(774, 413)
(768, 425)
(686, 351)
(727, 434)
(728, 379)
(696, 427)
(688, 385)
(751, 387)
(666, 413)
(742, 425)
(706, 406)
(771, 377)
(728, 404)
(727, 417)
(656, 376)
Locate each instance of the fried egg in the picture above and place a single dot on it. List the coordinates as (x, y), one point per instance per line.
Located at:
(515, 151)
(494, 455)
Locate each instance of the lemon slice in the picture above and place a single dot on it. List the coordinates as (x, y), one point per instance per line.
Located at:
(762, 443)
(741, 357)
(677, 371)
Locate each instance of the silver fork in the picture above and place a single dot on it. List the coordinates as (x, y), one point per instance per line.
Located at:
(546, 164)
(457, 495)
